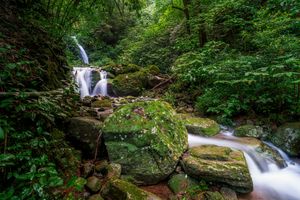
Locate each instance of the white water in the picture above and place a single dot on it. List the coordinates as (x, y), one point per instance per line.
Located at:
(101, 86)
(83, 54)
(83, 78)
(270, 182)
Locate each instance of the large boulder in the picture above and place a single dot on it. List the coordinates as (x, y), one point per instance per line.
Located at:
(117, 69)
(249, 131)
(117, 189)
(263, 150)
(180, 183)
(200, 126)
(132, 84)
(287, 137)
(147, 139)
(221, 165)
(84, 132)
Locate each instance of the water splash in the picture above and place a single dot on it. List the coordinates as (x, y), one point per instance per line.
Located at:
(84, 79)
(83, 54)
(270, 181)
(101, 86)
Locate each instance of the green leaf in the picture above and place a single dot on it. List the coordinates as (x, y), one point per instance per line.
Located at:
(55, 181)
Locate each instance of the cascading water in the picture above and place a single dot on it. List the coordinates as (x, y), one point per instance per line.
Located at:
(101, 86)
(270, 181)
(83, 54)
(84, 79)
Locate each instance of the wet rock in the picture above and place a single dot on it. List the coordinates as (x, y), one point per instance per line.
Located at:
(113, 170)
(102, 115)
(117, 69)
(133, 83)
(180, 183)
(264, 150)
(249, 131)
(200, 126)
(287, 137)
(94, 183)
(83, 132)
(104, 103)
(100, 166)
(86, 101)
(222, 165)
(117, 189)
(147, 139)
(95, 197)
(212, 196)
(228, 194)
(87, 169)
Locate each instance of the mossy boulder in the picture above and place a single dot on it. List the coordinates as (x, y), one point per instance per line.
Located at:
(263, 150)
(200, 126)
(94, 183)
(104, 103)
(133, 83)
(249, 131)
(180, 183)
(212, 196)
(117, 69)
(287, 137)
(117, 189)
(147, 139)
(83, 132)
(95, 197)
(221, 165)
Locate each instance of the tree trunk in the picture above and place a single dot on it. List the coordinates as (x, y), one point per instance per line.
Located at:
(187, 15)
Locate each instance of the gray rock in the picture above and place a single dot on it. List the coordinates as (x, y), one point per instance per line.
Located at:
(221, 165)
(83, 132)
(287, 137)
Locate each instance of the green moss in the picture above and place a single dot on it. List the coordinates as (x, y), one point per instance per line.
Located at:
(249, 131)
(133, 83)
(119, 190)
(105, 103)
(181, 183)
(224, 165)
(200, 126)
(118, 69)
(146, 138)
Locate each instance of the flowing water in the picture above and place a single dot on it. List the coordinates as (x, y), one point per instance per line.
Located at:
(86, 77)
(270, 181)
(83, 54)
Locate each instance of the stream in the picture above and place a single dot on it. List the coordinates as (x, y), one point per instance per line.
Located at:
(270, 182)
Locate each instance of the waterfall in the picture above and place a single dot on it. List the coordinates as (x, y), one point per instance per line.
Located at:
(270, 181)
(84, 79)
(83, 54)
(101, 86)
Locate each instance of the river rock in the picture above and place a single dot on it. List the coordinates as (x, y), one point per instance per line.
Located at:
(228, 194)
(133, 83)
(287, 137)
(264, 150)
(147, 139)
(94, 183)
(200, 126)
(95, 197)
(218, 164)
(103, 103)
(113, 170)
(117, 69)
(83, 132)
(117, 189)
(212, 196)
(249, 131)
(180, 183)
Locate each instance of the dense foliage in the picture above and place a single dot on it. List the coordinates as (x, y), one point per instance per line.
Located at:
(230, 57)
